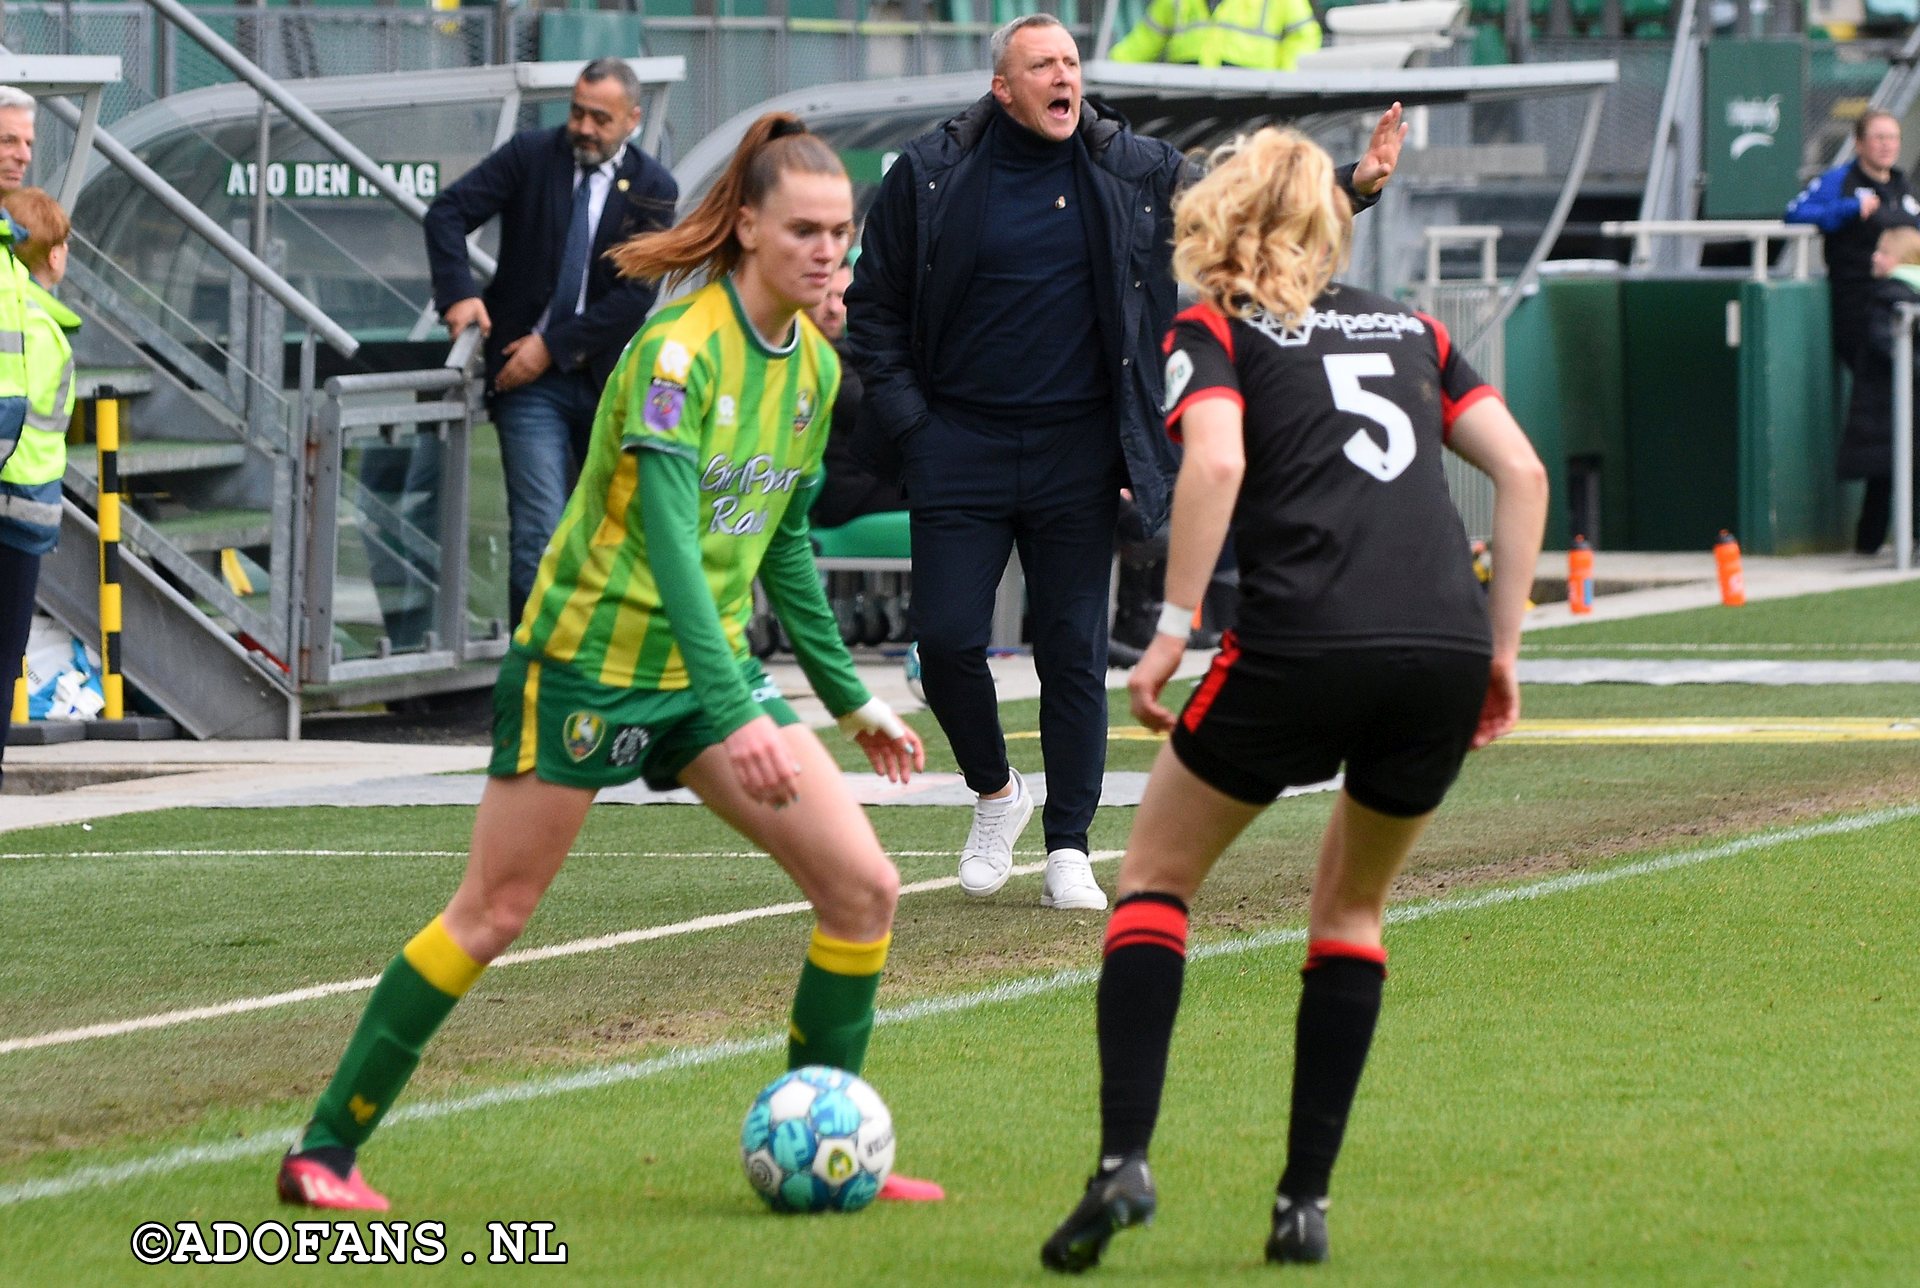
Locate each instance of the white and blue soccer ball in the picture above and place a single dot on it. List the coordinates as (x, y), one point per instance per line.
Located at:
(817, 1140)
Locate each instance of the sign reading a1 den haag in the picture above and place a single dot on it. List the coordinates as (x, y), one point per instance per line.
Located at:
(331, 180)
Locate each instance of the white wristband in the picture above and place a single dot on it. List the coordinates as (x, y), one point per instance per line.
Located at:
(1175, 620)
(872, 716)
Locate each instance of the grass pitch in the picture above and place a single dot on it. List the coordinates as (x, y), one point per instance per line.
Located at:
(1680, 1059)
(1678, 1075)
(1874, 623)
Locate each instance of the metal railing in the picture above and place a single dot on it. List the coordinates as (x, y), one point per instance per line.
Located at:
(413, 521)
(1464, 306)
(1759, 234)
(1907, 314)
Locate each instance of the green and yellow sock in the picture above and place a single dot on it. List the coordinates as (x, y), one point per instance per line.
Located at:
(417, 991)
(833, 1007)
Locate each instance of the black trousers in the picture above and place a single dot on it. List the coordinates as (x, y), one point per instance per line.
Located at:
(19, 576)
(977, 492)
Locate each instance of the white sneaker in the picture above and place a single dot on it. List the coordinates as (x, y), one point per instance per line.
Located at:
(987, 859)
(1070, 883)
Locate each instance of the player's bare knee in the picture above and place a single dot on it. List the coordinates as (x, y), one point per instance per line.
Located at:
(504, 915)
(864, 906)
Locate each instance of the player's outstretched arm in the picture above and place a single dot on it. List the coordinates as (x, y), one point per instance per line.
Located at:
(1383, 153)
(1487, 437)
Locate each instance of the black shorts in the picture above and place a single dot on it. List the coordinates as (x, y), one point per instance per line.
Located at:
(1398, 719)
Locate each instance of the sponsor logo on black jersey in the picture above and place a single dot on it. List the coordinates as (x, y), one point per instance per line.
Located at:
(1351, 326)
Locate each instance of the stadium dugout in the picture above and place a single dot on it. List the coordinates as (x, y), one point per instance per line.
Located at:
(1194, 108)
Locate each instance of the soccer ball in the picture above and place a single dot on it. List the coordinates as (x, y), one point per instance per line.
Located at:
(817, 1139)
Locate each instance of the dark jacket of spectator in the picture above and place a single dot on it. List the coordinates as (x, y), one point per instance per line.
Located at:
(1866, 444)
(861, 463)
(1832, 204)
(528, 182)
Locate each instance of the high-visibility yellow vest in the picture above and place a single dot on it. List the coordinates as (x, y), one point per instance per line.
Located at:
(30, 477)
(13, 285)
(1266, 34)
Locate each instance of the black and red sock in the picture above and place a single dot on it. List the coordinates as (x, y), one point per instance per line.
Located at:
(1146, 961)
(1339, 1005)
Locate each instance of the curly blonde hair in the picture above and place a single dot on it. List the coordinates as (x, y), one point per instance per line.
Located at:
(1901, 245)
(1265, 230)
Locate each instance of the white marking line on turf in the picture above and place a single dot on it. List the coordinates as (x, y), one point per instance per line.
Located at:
(1540, 646)
(103, 1177)
(413, 854)
(572, 948)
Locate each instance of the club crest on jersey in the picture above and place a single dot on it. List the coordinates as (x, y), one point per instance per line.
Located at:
(664, 403)
(802, 411)
(1179, 371)
(581, 734)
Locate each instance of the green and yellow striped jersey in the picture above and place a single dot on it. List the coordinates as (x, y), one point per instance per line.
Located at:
(699, 384)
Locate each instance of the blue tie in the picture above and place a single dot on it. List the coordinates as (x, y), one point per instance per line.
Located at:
(573, 257)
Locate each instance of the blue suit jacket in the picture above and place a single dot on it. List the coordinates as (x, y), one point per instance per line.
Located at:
(528, 182)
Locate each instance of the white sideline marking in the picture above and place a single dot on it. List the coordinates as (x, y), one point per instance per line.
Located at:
(1540, 646)
(105, 1176)
(572, 948)
(414, 854)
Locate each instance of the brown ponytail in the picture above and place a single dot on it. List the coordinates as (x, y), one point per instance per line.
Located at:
(773, 145)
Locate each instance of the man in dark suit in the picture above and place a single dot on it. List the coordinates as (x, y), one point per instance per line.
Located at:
(555, 315)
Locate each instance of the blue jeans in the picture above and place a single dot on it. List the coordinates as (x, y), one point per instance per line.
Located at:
(544, 427)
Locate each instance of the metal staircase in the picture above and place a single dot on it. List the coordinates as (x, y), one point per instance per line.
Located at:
(295, 521)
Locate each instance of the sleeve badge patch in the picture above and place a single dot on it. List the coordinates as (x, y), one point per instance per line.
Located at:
(1179, 371)
(674, 361)
(664, 403)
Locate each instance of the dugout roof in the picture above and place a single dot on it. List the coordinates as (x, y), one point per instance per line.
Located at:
(1190, 107)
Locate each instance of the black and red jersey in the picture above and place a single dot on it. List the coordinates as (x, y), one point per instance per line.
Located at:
(1344, 530)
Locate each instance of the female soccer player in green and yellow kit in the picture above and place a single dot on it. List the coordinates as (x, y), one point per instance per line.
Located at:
(631, 660)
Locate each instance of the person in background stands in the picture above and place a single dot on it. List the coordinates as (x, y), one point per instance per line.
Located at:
(32, 458)
(555, 315)
(1852, 204)
(854, 486)
(1268, 35)
(1006, 314)
(1866, 443)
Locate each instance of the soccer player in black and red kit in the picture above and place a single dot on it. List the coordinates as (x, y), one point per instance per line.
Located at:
(1313, 417)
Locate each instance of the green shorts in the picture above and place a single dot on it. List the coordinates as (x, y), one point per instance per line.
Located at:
(577, 732)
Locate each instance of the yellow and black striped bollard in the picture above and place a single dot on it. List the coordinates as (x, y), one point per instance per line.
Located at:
(107, 439)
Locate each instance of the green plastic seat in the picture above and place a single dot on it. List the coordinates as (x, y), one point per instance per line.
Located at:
(870, 536)
(1489, 46)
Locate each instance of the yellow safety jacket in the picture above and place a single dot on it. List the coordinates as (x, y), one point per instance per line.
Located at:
(30, 477)
(1266, 34)
(13, 367)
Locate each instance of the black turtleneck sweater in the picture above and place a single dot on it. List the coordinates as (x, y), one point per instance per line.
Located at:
(1025, 346)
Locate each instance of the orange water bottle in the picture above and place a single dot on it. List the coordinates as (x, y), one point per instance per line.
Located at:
(1580, 576)
(1733, 584)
